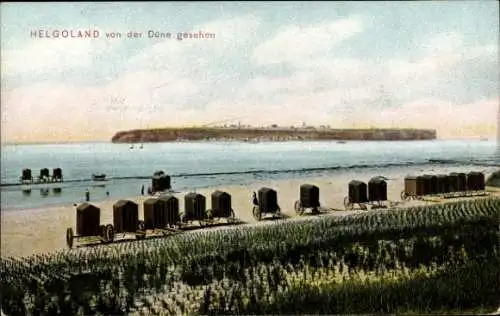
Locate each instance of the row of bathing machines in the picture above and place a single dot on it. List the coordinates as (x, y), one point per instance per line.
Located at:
(162, 213)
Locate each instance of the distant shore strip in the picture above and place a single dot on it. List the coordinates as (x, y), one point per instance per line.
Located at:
(428, 162)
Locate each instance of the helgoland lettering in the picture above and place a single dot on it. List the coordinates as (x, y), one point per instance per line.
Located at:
(64, 33)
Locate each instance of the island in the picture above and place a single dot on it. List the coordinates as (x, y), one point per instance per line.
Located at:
(273, 133)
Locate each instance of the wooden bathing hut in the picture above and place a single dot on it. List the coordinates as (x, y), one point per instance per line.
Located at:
(476, 181)
(26, 176)
(194, 207)
(309, 196)
(442, 184)
(126, 216)
(171, 209)
(357, 192)
(221, 204)
(430, 184)
(414, 186)
(161, 212)
(88, 226)
(161, 181)
(88, 220)
(57, 175)
(458, 181)
(377, 189)
(154, 214)
(268, 199)
(266, 203)
(44, 175)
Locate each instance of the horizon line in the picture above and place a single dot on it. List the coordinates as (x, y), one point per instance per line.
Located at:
(9, 143)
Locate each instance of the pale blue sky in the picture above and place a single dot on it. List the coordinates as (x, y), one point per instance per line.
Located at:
(338, 63)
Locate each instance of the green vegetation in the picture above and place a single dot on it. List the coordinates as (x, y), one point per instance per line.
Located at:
(333, 289)
(433, 258)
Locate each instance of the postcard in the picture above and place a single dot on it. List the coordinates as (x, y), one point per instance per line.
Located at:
(195, 158)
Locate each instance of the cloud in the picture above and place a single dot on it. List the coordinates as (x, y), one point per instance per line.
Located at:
(416, 92)
(443, 43)
(53, 54)
(47, 54)
(449, 119)
(144, 90)
(440, 59)
(194, 55)
(233, 32)
(199, 81)
(49, 111)
(294, 43)
(359, 82)
(341, 83)
(161, 83)
(457, 76)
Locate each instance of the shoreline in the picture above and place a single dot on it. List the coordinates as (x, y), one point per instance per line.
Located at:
(40, 230)
(266, 140)
(490, 138)
(243, 178)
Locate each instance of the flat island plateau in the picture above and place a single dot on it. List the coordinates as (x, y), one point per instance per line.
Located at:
(274, 133)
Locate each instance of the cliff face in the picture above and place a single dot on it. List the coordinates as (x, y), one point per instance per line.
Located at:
(174, 134)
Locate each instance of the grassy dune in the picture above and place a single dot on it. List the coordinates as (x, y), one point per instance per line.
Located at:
(422, 259)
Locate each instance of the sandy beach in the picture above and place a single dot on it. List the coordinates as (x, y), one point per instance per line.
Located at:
(26, 232)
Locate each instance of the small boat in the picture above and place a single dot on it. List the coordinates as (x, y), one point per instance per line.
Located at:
(341, 142)
(131, 147)
(141, 146)
(98, 177)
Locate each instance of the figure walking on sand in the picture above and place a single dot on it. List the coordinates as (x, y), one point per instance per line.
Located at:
(142, 190)
(87, 195)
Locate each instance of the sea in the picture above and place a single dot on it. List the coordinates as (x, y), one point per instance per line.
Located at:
(194, 165)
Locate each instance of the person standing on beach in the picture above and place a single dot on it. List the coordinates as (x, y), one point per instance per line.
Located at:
(142, 190)
(87, 195)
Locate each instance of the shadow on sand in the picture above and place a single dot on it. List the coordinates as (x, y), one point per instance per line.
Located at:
(129, 237)
(282, 216)
(196, 226)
